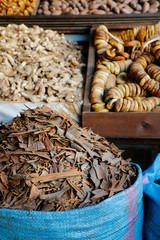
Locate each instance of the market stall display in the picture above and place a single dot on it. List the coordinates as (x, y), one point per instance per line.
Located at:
(58, 180)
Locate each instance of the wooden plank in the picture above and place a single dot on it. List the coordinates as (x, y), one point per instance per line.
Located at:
(82, 21)
(90, 72)
(123, 125)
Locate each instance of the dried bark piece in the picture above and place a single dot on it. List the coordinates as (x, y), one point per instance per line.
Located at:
(51, 177)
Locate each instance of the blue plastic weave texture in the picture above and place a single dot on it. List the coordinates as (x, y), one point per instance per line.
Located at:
(118, 217)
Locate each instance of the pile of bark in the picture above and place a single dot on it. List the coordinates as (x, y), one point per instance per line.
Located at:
(47, 163)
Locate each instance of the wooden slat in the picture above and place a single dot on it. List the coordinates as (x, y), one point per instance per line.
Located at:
(82, 21)
(123, 125)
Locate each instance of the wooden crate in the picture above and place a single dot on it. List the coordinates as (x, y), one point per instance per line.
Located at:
(123, 127)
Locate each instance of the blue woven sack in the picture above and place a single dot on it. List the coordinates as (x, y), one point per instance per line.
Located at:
(152, 203)
(118, 217)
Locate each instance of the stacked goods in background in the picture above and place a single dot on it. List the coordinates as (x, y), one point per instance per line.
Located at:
(78, 7)
(127, 75)
(49, 165)
(97, 7)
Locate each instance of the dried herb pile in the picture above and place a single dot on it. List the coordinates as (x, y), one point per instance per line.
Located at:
(47, 163)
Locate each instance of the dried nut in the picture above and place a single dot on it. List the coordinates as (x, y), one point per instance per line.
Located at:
(155, 5)
(84, 3)
(145, 7)
(121, 6)
(139, 7)
(64, 6)
(104, 7)
(126, 2)
(47, 12)
(52, 9)
(152, 1)
(72, 12)
(127, 10)
(133, 4)
(80, 8)
(75, 7)
(44, 7)
(58, 3)
(98, 12)
(95, 6)
(84, 11)
(111, 4)
(57, 12)
(40, 11)
(116, 10)
(153, 10)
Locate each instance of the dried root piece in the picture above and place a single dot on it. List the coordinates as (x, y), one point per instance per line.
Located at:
(39, 65)
(131, 105)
